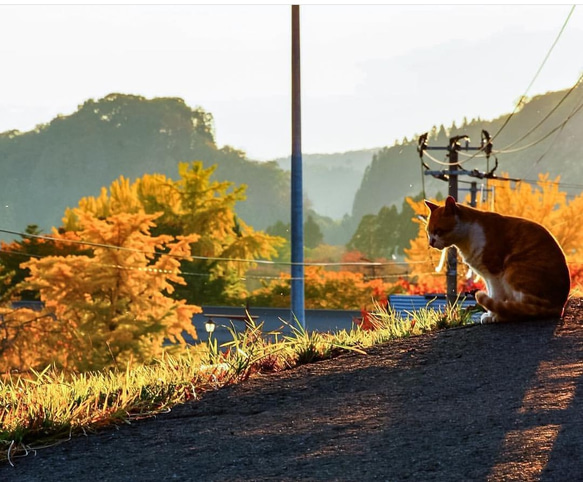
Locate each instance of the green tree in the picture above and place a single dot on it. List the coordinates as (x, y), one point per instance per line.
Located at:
(312, 234)
(363, 239)
(377, 235)
(280, 229)
(283, 231)
(385, 234)
(407, 229)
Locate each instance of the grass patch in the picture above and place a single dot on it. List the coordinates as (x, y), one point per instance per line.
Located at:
(47, 407)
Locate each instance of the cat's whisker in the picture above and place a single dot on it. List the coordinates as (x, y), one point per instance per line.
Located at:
(441, 264)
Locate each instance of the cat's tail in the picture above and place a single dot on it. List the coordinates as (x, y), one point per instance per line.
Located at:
(531, 307)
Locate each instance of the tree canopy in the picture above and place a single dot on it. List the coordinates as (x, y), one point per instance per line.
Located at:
(116, 277)
(194, 204)
(104, 308)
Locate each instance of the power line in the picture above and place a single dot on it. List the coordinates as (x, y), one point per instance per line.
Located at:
(505, 150)
(521, 100)
(555, 138)
(139, 251)
(190, 257)
(519, 103)
(548, 134)
(532, 129)
(446, 163)
(159, 271)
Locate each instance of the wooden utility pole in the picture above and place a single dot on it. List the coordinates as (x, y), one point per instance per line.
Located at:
(451, 176)
(452, 190)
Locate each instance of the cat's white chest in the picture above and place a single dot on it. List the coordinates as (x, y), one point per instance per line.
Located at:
(473, 246)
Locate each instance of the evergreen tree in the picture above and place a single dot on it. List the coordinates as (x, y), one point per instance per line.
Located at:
(312, 234)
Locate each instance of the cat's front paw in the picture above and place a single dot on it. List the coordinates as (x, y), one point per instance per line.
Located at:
(488, 317)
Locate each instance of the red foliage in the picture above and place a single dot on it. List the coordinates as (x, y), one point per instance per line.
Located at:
(365, 320)
(436, 285)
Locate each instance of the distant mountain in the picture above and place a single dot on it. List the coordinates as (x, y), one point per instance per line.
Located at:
(330, 181)
(523, 149)
(49, 169)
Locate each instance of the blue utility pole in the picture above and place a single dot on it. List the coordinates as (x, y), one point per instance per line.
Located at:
(297, 224)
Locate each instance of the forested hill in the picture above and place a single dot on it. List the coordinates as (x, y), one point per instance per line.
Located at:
(551, 147)
(51, 168)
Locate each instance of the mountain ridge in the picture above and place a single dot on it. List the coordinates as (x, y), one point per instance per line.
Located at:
(53, 166)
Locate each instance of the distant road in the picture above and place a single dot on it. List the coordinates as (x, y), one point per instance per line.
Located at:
(316, 320)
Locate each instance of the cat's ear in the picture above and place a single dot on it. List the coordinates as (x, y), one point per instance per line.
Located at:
(450, 205)
(432, 206)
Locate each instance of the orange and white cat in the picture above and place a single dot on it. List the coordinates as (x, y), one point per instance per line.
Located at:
(522, 264)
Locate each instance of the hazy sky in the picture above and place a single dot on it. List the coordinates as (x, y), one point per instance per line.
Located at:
(370, 74)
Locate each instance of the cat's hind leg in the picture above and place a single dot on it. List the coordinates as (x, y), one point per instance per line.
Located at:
(487, 317)
(516, 308)
(488, 303)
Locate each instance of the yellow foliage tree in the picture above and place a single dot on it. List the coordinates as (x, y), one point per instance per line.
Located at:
(30, 339)
(194, 204)
(543, 203)
(109, 307)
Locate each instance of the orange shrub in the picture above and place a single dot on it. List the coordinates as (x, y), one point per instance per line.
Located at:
(325, 290)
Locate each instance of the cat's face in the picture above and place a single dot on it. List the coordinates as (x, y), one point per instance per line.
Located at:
(442, 223)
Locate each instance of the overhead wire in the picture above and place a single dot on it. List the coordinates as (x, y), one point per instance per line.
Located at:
(472, 156)
(523, 97)
(208, 275)
(559, 131)
(556, 129)
(246, 276)
(518, 104)
(190, 257)
(527, 146)
(544, 119)
(547, 135)
(446, 163)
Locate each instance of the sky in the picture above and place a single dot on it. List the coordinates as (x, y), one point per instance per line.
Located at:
(371, 74)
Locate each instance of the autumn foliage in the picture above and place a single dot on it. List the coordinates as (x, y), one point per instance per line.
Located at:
(107, 307)
(120, 280)
(193, 204)
(342, 290)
